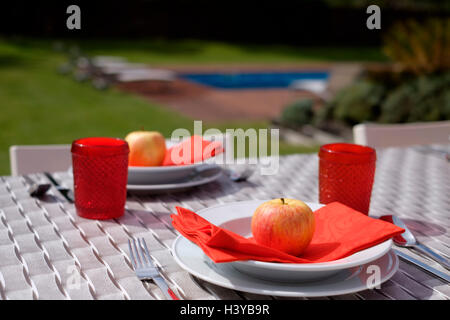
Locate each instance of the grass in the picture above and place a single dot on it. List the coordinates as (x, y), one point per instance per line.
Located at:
(39, 106)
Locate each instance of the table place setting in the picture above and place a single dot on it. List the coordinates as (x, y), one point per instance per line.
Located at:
(277, 242)
(345, 242)
(279, 246)
(195, 168)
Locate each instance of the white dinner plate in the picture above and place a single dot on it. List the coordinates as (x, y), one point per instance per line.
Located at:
(192, 259)
(236, 217)
(164, 174)
(202, 178)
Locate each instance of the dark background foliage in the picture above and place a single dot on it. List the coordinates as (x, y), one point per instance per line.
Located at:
(307, 22)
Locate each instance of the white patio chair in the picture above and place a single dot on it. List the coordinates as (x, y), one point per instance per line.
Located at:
(389, 135)
(39, 158)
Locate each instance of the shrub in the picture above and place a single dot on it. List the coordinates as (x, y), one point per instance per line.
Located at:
(298, 113)
(420, 48)
(426, 98)
(357, 103)
(419, 92)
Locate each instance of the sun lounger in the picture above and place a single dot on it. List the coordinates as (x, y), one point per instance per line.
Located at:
(146, 75)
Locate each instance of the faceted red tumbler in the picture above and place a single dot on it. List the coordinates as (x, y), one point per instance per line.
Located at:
(100, 173)
(346, 175)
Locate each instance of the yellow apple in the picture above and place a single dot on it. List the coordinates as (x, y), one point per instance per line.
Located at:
(147, 148)
(287, 225)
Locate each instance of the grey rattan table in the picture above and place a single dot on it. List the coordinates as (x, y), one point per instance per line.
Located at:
(48, 252)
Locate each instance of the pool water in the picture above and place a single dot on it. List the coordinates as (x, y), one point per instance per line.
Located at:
(254, 80)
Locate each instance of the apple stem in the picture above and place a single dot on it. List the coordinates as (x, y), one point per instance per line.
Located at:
(282, 200)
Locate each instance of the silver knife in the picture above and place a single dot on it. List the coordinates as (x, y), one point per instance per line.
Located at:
(65, 192)
(422, 265)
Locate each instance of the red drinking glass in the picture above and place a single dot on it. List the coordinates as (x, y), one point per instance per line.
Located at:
(346, 174)
(100, 173)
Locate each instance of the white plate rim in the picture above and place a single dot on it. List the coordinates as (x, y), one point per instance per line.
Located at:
(186, 184)
(384, 247)
(234, 286)
(165, 168)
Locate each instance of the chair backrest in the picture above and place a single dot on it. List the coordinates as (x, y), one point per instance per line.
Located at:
(389, 135)
(39, 158)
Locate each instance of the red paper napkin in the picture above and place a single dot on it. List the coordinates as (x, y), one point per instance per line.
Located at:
(197, 149)
(340, 232)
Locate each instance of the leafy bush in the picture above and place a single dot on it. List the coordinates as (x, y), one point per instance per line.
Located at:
(415, 88)
(417, 91)
(420, 48)
(358, 102)
(297, 114)
(426, 98)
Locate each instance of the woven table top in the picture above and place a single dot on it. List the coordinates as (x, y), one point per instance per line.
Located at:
(48, 252)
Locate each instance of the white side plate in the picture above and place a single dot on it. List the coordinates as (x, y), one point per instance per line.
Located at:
(236, 216)
(180, 185)
(192, 259)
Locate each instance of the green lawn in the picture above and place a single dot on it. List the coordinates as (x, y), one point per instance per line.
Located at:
(40, 106)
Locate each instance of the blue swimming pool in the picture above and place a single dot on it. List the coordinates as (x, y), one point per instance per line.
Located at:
(253, 80)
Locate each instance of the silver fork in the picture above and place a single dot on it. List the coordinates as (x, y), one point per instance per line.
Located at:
(36, 189)
(145, 269)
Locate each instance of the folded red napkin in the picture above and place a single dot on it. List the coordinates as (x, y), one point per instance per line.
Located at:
(197, 149)
(340, 232)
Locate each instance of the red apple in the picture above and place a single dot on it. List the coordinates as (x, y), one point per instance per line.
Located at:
(284, 224)
(147, 148)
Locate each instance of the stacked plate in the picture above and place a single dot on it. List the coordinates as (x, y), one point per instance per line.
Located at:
(144, 180)
(363, 270)
(153, 180)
